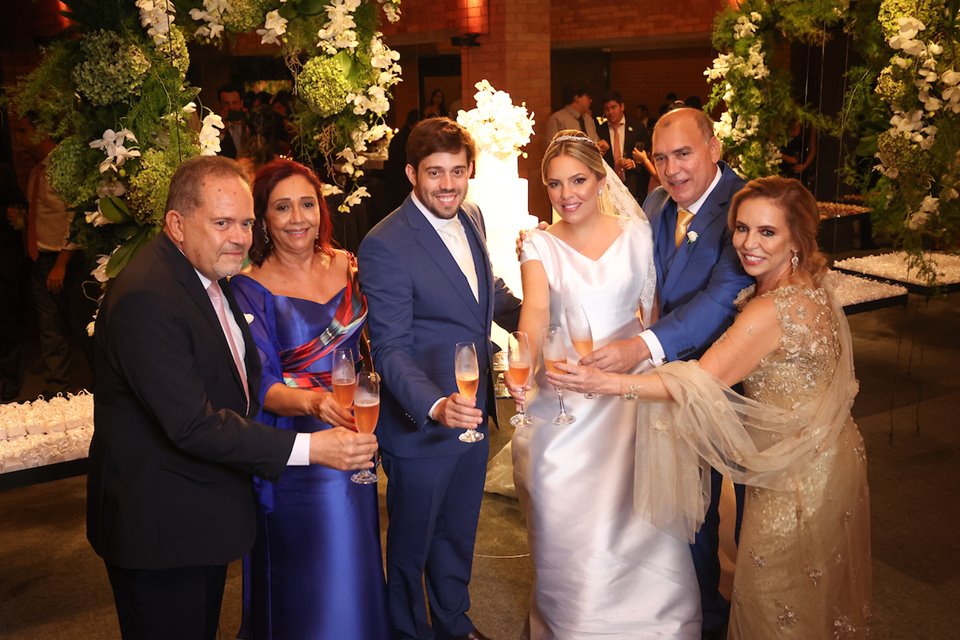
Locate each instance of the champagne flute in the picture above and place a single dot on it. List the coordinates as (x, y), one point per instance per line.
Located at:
(554, 351)
(518, 372)
(366, 409)
(467, 370)
(578, 326)
(344, 377)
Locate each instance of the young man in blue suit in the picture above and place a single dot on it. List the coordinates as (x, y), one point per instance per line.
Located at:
(698, 278)
(429, 284)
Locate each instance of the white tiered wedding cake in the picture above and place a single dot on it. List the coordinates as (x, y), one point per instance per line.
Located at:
(500, 130)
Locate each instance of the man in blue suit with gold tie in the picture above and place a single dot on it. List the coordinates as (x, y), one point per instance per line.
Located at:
(429, 284)
(698, 278)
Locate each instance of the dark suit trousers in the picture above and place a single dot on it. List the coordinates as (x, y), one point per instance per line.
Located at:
(181, 603)
(433, 505)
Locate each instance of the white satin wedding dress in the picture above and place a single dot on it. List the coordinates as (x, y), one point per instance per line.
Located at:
(601, 571)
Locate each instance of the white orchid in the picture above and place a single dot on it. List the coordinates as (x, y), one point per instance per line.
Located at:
(157, 16)
(210, 135)
(100, 271)
(112, 143)
(212, 16)
(355, 196)
(274, 27)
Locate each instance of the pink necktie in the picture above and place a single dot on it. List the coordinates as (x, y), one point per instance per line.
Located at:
(216, 297)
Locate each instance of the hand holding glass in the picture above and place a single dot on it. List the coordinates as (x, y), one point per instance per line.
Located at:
(555, 350)
(518, 372)
(344, 377)
(467, 371)
(578, 326)
(366, 409)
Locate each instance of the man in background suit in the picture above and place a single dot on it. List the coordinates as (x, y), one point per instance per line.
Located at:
(169, 494)
(698, 278)
(575, 113)
(618, 138)
(429, 285)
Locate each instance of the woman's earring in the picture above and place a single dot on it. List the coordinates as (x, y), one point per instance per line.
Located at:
(794, 262)
(266, 234)
(600, 192)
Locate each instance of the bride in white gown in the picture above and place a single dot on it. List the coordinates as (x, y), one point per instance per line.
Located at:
(600, 570)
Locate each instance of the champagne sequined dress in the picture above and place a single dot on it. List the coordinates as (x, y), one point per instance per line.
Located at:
(803, 563)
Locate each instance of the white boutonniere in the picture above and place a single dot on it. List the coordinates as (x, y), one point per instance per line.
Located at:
(248, 317)
(692, 237)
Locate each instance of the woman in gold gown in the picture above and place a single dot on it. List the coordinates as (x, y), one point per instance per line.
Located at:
(803, 563)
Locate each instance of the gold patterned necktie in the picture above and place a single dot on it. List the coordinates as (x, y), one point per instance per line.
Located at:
(684, 217)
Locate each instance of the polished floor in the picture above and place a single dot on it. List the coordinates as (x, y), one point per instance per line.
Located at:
(53, 586)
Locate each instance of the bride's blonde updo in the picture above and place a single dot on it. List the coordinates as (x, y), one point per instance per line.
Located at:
(800, 210)
(576, 144)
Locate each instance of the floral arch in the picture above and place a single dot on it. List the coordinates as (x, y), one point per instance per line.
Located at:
(114, 97)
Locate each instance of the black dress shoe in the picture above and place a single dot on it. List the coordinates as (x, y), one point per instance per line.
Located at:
(473, 635)
(714, 634)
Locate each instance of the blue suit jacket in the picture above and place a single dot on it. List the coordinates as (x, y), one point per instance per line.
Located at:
(420, 306)
(697, 282)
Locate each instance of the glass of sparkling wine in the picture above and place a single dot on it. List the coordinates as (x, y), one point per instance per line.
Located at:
(366, 411)
(555, 350)
(578, 326)
(518, 372)
(467, 370)
(344, 377)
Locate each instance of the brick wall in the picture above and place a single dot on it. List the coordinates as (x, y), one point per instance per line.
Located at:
(573, 21)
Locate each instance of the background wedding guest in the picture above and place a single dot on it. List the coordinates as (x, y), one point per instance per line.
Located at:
(437, 107)
(699, 276)
(803, 565)
(619, 136)
(316, 567)
(234, 115)
(58, 268)
(799, 154)
(169, 495)
(575, 114)
(428, 280)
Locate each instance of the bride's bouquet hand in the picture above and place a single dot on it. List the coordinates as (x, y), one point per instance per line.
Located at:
(583, 379)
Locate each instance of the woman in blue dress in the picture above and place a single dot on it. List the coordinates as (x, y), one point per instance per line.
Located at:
(315, 571)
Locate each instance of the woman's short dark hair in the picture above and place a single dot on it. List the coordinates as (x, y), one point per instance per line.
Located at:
(800, 210)
(438, 135)
(266, 180)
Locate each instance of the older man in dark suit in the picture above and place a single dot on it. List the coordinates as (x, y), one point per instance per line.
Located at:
(429, 283)
(169, 494)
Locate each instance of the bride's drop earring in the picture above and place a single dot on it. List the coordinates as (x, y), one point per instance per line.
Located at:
(794, 262)
(600, 192)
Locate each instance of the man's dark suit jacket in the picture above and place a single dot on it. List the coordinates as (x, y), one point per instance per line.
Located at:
(420, 307)
(636, 180)
(169, 481)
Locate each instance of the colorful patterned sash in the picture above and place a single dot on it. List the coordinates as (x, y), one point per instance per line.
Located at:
(347, 320)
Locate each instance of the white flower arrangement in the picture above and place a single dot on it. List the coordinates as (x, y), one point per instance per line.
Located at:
(274, 26)
(340, 30)
(497, 125)
(112, 144)
(157, 16)
(210, 134)
(212, 16)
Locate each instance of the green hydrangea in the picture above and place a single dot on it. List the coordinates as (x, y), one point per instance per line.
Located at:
(73, 171)
(897, 151)
(174, 51)
(112, 69)
(323, 86)
(147, 193)
(892, 85)
(244, 16)
(929, 12)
